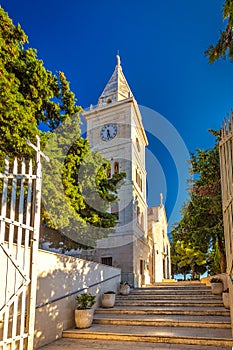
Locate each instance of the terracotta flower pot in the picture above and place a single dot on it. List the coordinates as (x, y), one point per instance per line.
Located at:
(84, 318)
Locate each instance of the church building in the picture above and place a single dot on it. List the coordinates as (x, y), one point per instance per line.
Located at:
(160, 259)
(115, 130)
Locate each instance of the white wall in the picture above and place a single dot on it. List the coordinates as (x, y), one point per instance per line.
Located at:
(59, 275)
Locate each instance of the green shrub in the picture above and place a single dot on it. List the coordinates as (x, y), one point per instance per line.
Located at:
(216, 280)
(85, 301)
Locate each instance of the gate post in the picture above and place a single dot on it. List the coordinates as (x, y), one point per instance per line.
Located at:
(34, 246)
(226, 166)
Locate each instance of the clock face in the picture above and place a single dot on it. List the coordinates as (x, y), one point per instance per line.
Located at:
(108, 132)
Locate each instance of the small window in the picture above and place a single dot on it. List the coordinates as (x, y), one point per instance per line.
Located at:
(141, 267)
(137, 176)
(138, 145)
(107, 260)
(138, 214)
(109, 173)
(116, 167)
(109, 100)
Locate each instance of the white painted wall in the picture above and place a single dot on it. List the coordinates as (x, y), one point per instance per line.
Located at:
(59, 275)
(157, 224)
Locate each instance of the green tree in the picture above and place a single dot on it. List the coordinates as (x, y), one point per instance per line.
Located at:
(176, 257)
(224, 46)
(207, 192)
(30, 94)
(76, 190)
(190, 256)
(189, 252)
(201, 225)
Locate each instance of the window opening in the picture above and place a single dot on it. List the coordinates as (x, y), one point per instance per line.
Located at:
(107, 260)
(116, 167)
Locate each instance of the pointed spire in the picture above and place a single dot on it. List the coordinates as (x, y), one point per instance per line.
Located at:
(117, 88)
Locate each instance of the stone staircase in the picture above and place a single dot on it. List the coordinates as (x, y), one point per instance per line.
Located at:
(175, 315)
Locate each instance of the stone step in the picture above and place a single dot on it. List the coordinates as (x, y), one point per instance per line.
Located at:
(169, 296)
(172, 291)
(169, 302)
(89, 344)
(172, 335)
(175, 286)
(176, 282)
(163, 320)
(165, 310)
(181, 318)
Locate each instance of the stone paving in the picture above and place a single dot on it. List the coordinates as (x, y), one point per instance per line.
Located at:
(80, 344)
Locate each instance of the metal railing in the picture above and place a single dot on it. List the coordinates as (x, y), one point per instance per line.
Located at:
(75, 292)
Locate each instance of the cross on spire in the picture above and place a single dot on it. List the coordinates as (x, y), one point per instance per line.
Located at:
(118, 59)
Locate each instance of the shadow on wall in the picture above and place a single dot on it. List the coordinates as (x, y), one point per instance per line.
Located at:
(59, 276)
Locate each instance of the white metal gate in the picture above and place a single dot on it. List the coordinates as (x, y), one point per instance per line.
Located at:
(19, 235)
(226, 166)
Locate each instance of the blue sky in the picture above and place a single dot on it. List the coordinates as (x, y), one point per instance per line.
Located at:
(162, 46)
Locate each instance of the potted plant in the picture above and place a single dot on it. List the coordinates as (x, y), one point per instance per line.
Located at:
(225, 298)
(124, 288)
(108, 299)
(84, 312)
(216, 285)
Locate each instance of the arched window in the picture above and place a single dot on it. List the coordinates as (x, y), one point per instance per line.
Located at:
(116, 167)
(138, 179)
(108, 173)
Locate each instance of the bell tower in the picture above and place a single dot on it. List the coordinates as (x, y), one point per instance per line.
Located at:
(115, 130)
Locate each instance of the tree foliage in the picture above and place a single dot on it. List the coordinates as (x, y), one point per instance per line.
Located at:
(30, 94)
(76, 190)
(77, 194)
(199, 235)
(224, 46)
